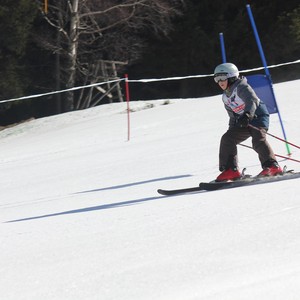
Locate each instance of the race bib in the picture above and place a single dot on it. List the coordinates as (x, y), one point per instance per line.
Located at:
(234, 102)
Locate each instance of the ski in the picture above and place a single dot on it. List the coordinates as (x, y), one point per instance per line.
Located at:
(245, 181)
(213, 186)
(179, 191)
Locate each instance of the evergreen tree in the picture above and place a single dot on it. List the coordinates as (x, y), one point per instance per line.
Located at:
(16, 19)
(194, 46)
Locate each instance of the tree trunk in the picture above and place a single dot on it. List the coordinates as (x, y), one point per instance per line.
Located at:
(72, 56)
(57, 76)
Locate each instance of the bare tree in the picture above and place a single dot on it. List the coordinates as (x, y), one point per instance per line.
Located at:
(87, 31)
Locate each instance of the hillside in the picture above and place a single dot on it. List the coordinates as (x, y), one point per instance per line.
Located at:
(81, 219)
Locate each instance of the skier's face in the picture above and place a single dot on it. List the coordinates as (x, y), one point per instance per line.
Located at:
(223, 84)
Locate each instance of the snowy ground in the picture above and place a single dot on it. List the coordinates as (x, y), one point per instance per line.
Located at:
(81, 219)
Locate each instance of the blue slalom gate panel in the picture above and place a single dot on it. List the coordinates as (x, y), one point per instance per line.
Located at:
(264, 90)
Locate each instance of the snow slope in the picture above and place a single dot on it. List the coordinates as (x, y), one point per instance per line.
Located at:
(81, 219)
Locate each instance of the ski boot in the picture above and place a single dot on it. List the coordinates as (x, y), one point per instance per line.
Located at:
(229, 175)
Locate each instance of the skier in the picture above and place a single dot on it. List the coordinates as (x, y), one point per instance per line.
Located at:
(244, 108)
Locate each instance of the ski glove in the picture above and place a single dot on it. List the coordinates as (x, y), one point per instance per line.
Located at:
(243, 121)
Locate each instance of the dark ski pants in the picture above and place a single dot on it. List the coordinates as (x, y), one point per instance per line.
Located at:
(228, 157)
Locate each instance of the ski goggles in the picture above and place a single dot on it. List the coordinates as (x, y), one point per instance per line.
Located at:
(220, 77)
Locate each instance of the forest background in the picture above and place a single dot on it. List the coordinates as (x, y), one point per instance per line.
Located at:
(50, 45)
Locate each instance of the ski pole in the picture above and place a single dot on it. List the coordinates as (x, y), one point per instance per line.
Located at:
(278, 155)
(276, 137)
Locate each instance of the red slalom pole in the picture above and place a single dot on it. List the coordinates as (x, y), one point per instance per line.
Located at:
(128, 107)
(278, 155)
(276, 137)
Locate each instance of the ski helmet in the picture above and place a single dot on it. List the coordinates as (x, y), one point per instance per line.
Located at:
(229, 69)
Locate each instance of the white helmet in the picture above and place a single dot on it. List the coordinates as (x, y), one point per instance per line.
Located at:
(229, 69)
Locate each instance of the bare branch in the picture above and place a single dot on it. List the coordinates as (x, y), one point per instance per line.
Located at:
(93, 30)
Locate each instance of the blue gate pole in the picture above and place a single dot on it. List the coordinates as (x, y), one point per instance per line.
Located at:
(261, 52)
(222, 47)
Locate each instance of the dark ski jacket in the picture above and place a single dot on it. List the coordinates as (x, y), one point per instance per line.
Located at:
(240, 98)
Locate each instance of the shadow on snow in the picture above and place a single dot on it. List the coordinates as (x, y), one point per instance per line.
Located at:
(104, 206)
(121, 186)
